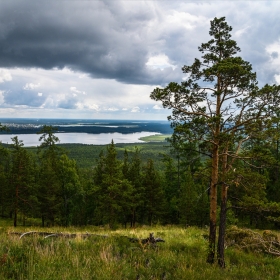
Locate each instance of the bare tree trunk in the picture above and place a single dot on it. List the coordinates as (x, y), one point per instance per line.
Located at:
(214, 180)
(222, 228)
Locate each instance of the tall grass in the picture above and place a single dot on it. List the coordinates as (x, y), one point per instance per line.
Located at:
(182, 256)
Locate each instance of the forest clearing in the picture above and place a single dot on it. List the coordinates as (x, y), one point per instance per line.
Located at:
(108, 254)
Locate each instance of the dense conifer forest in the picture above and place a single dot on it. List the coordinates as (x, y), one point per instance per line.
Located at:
(127, 185)
(119, 185)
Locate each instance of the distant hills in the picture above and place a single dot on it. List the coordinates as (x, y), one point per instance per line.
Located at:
(30, 126)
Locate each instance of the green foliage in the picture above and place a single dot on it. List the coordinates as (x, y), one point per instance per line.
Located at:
(156, 138)
(187, 201)
(49, 184)
(60, 193)
(113, 190)
(3, 128)
(21, 179)
(4, 179)
(48, 139)
(132, 170)
(154, 200)
(48, 191)
(86, 155)
(171, 184)
(70, 189)
(123, 186)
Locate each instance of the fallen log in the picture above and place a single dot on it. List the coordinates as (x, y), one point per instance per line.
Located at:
(73, 235)
(149, 240)
(28, 233)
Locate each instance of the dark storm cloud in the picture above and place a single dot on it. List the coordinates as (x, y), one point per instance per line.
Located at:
(97, 37)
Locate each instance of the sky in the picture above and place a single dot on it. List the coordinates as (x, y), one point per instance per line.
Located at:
(87, 59)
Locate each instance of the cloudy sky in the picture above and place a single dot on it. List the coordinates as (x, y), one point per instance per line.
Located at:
(92, 59)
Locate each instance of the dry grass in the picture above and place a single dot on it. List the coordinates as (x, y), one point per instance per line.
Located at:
(182, 256)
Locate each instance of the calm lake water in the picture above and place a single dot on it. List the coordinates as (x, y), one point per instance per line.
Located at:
(81, 138)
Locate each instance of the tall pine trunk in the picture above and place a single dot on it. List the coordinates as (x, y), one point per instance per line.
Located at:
(223, 212)
(213, 206)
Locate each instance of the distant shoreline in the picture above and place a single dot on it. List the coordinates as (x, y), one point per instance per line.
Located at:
(31, 126)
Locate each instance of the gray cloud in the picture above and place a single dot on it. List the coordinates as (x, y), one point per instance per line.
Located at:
(68, 103)
(23, 98)
(97, 37)
(274, 55)
(112, 42)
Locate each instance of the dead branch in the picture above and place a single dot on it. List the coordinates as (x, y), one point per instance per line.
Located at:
(150, 240)
(249, 240)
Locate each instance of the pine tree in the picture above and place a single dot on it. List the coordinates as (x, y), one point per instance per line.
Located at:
(220, 107)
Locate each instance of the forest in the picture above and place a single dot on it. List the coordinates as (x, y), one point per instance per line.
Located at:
(119, 185)
(128, 185)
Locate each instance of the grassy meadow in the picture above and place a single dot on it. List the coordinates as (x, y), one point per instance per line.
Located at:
(156, 138)
(110, 255)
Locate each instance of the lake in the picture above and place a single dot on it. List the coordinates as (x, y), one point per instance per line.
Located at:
(30, 140)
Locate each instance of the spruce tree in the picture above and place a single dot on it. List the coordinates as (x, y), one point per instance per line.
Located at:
(154, 198)
(134, 175)
(187, 200)
(22, 179)
(171, 183)
(70, 191)
(4, 179)
(49, 184)
(114, 191)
